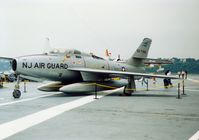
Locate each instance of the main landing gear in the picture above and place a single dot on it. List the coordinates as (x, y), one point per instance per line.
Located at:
(130, 87)
(17, 93)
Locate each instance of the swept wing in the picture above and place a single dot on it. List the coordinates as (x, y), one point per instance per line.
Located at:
(120, 73)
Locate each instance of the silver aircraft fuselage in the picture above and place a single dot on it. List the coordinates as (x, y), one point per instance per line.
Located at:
(53, 66)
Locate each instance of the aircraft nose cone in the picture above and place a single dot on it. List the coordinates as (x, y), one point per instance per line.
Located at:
(14, 65)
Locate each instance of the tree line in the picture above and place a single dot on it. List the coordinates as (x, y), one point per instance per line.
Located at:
(191, 65)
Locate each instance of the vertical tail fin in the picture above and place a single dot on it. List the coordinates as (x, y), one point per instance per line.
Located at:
(141, 53)
(143, 49)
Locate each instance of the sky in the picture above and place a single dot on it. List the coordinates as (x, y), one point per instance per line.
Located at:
(96, 25)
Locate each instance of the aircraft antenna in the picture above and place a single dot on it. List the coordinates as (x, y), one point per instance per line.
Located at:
(47, 48)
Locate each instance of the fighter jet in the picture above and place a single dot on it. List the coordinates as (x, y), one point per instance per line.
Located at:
(73, 71)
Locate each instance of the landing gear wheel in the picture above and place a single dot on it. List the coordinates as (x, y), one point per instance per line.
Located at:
(125, 92)
(16, 93)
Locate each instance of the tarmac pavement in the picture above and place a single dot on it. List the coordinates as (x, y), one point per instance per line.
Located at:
(155, 114)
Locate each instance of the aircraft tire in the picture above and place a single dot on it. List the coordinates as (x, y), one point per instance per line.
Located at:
(125, 92)
(16, 93)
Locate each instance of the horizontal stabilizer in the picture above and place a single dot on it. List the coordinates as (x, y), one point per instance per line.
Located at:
(149, 61)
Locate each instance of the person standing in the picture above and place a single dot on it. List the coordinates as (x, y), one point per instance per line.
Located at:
(167, 81)
(183, 74)
(186, 73)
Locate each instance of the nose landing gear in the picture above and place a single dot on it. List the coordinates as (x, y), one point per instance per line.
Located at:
(17, 93)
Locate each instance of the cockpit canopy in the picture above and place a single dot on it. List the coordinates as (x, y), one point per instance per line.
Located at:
(71, 52)
(63, 51)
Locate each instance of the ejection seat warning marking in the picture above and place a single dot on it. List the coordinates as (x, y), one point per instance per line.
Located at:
(10, 128)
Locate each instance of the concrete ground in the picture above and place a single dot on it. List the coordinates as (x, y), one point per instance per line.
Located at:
(155, 114)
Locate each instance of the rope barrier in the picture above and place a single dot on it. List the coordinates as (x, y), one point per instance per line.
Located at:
(131, 89)
(113, 87)
(157, 86)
